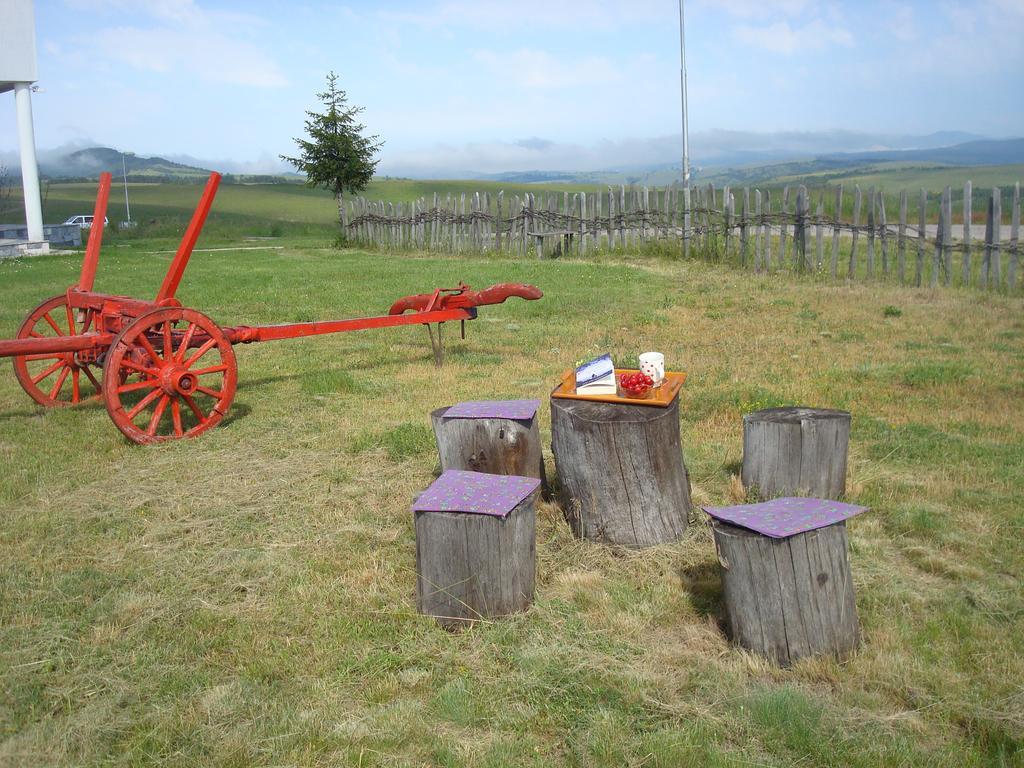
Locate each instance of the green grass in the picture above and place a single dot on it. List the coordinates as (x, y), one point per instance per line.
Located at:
(249, 597)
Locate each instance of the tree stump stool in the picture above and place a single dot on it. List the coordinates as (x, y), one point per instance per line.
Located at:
(499, 437)
(786, 577)
(476, 550)
(621, 470)
(796, 452)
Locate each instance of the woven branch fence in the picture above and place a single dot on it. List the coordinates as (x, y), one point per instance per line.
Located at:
(882, 238)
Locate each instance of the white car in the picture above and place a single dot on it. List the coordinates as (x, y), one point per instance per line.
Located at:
(85, 222)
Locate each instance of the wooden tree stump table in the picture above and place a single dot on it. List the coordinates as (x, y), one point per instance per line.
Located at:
(621, 470)
(476, 549)
(499, 437)
(796, 452)
(786, 577)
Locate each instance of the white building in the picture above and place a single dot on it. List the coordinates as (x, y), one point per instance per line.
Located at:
(18, 70)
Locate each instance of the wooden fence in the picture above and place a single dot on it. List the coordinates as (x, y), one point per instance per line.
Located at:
(883, 238)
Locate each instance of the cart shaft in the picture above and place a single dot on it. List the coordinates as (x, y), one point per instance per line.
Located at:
(244, 334)
(92, 250)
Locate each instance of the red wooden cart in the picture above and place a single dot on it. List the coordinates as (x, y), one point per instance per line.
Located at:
(166, 371)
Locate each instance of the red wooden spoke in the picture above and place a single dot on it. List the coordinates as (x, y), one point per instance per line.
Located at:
(144, 343)
(76, 393)
(210, 344)
(211, 369)
(48, 319)
(137, 385)
(133, 366)
(92, 378)
(144, 403)
(195, 408)
(168, 346)
(60, 382)
(48, 371)
(180, 354)
(158, 413)
(71, 319)
(42, 356)
(176, 417)
(35, 335)
(215, 393)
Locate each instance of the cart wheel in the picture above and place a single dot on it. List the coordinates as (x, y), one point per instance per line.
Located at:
(57, 379)
(170, 374)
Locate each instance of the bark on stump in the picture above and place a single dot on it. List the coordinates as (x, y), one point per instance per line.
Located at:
(474, 566)
(621, 471)
(796, 452)
(788, 598)
(492, 445)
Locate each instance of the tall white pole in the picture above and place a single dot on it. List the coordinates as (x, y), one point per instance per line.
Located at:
(686, 132)
(29, 167)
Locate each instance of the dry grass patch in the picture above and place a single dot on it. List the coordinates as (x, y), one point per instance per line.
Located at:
(248, 598)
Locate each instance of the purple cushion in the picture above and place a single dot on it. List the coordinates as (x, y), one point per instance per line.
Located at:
(478, 493)
(521, 410)
(787, 516)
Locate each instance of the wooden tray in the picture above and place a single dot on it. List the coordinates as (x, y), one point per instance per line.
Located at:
(661, 397)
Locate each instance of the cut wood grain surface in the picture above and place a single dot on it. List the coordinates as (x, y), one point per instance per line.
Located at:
(791, 598)
(471, 567)
(796, 452)
(621, 470)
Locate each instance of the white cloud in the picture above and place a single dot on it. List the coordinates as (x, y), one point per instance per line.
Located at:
(528, 68)
(502, 15)
(780, 37)
(181, 36)
(760, 9)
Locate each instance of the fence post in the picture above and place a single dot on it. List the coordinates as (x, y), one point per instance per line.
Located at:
(901, 248)
(947, 236)
(727, 217)
(1011, 277)
(582, 213)
(758, 224)
(687, 204)
(744, 218)
(819, 215)
(871, 231)
(883, 232)
(965, 276)
(994, 259)
(783, 227)
(856, 231)
(921, 214)
(799, 260)
(940, 232)
(836, 216)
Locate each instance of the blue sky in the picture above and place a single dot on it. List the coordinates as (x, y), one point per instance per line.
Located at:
(482, 85)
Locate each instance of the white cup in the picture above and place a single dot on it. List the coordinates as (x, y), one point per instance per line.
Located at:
(653, 364)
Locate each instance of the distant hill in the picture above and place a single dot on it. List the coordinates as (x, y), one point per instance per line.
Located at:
(822, 167)
(89, 163)
(988, 152)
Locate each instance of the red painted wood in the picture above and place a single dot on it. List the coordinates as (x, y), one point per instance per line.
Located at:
(188, 242)
(92, 250)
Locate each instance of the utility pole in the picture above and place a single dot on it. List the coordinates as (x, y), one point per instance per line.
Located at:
(124, 174)
(686, 133)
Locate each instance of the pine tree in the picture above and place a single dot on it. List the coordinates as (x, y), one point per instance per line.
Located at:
(336, 155)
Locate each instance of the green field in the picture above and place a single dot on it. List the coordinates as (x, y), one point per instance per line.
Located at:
(246, 207)
(248, 598)
(262, 210)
